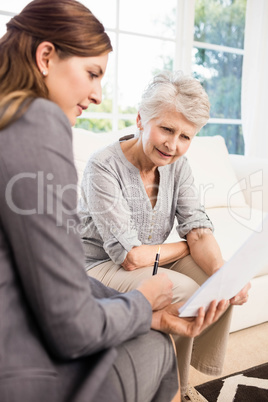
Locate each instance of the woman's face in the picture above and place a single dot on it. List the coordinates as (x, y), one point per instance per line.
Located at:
(75, 82)
(165, 139)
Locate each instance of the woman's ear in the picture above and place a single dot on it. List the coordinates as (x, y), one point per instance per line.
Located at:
(138, 121)
(44, 53)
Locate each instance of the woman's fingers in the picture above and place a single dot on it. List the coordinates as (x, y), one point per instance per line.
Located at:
(221, 308)
(203, 320)
(242, 296)
(210, 314)
(215, 310)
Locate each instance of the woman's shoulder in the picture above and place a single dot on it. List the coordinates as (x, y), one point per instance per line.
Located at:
(104, 156)
(47, 119)
(43, 124)
(44, 110)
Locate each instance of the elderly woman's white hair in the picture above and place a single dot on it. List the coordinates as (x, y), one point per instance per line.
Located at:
(175, 91)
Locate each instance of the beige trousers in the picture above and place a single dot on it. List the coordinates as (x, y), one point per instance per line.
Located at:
(206, 352)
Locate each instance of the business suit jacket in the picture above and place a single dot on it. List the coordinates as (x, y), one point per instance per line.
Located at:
(58, 330)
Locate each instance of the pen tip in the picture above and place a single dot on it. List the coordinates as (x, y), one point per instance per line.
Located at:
(159, 248)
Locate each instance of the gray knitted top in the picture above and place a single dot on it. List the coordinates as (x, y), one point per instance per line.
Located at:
(116, 213)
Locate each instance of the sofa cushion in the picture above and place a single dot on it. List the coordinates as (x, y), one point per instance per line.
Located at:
(86, 143)
(213, 172)
(233, 227)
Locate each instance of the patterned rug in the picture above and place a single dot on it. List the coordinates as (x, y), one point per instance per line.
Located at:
(246, 386)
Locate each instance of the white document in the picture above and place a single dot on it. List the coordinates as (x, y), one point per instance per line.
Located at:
(233, 275)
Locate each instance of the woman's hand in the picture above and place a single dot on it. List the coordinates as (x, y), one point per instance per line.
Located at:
(157, 290)
(242, 296)
(168, 321)
(144, 255)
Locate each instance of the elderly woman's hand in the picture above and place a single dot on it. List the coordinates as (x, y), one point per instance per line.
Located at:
(144, 255)
(242, 296)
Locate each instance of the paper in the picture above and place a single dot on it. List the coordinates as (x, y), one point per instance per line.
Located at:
(234, 274)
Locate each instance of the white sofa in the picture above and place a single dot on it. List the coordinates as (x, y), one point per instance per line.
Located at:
(234, 190)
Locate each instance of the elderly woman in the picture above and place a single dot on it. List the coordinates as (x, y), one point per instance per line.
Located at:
(133, 190)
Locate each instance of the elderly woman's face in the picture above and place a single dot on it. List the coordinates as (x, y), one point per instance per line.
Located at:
(167, 138)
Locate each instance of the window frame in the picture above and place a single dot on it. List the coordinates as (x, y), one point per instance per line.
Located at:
(183, 46)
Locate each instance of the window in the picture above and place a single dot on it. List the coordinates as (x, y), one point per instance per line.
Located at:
(143, 38)
(147, 39)
(217, 63)
(7, 10)
(202, 37)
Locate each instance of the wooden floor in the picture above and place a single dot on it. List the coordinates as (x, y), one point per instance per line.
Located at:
(246, 348)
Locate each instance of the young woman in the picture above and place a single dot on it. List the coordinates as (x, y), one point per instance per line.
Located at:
(133, 191)
(64, 336)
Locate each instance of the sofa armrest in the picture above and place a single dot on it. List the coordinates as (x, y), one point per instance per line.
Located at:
(252, 174)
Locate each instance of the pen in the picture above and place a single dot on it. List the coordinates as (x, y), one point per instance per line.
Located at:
(156, 262)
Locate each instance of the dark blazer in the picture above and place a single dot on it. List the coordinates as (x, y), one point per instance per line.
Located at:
(58, 330)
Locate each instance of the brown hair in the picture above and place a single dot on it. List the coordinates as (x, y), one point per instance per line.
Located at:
(68, 24)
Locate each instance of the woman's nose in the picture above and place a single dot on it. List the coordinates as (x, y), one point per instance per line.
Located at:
(171, 143)
(96, 94)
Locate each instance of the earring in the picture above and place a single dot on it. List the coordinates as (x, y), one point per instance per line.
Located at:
(44, 73)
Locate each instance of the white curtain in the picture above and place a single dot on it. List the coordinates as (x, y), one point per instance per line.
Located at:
(255, 80)
(184, 35)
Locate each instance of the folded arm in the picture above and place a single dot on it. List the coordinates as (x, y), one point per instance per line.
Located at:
(143, 256)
